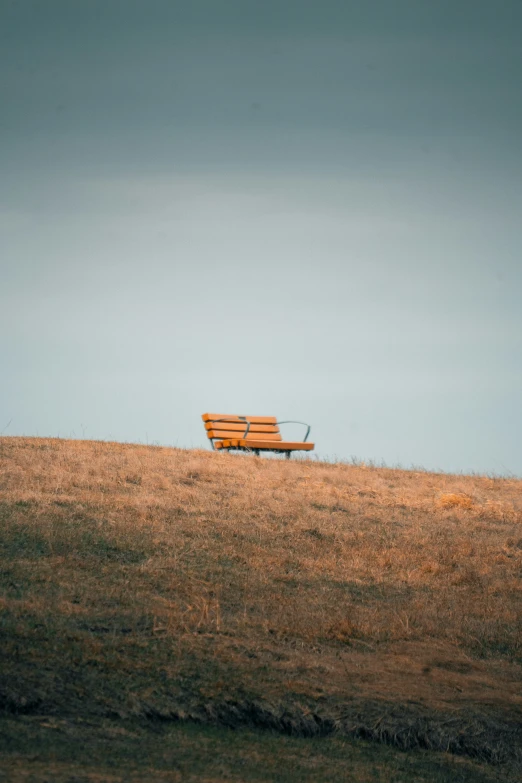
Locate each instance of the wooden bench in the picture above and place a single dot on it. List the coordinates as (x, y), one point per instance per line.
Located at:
(251, 433)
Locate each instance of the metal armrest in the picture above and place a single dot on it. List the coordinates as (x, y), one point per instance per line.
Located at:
(298, 422)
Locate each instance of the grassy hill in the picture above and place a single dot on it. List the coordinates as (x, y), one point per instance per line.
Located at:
(185, 615)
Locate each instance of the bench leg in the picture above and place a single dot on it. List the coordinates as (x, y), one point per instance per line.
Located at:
(288, 454)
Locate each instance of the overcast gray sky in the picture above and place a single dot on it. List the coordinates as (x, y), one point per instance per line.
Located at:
(302, 209)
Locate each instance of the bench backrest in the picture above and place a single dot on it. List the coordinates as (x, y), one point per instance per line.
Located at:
(220, 425)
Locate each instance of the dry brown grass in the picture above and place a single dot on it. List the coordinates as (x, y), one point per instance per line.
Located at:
(298, 583)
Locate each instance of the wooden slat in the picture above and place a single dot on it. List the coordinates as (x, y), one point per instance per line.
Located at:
(237, 419)
(251, 436)
(283, 445)
(239, 428)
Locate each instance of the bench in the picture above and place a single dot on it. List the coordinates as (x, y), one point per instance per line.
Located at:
(251, 433)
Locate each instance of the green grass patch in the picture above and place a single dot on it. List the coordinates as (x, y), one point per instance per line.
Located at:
(44, 749)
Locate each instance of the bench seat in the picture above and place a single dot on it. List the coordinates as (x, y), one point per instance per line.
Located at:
(251, 433)
(247, 443)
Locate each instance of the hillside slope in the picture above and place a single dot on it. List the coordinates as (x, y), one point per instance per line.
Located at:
(312, 599)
